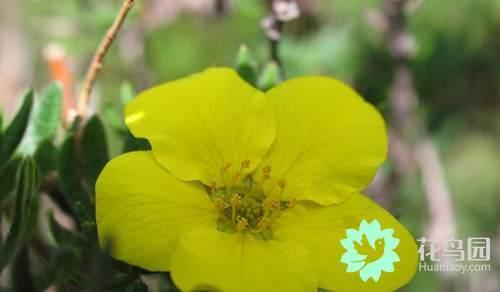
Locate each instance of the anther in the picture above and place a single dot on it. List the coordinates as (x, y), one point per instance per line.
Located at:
(235, 202)
(245, 164)
(242, 224)
(213, 187)
(263, 223)
(292, 203)
(219, 204)
(266, 170)
(267, 204)
(276, 204)
(236, 177)
(225, 167)
(282, 184)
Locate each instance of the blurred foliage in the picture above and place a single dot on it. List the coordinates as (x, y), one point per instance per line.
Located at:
(456, 69)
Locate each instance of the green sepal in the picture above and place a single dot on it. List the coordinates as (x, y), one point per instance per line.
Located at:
(246, 66)
(269, 77)
(135, 144)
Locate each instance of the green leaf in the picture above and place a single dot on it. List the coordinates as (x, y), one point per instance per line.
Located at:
(46, 157)
(94, 150)
(1, 129)
(246, 66)
(62, 265)
(101, 273)
(270, 76)
(22, 280)
(45, 120)
(15, 131)
(70, 173)
(8, 176)
(136, 286)
(63, 236)
(25, 210)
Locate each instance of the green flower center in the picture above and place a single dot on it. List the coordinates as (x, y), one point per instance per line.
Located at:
(244, 206)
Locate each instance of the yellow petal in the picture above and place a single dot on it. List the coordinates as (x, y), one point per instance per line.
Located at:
(321, 230)
(329, 141)
(209, 260)
(199, 124)
(143, 210)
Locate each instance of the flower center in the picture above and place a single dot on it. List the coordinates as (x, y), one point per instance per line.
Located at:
(244, 206)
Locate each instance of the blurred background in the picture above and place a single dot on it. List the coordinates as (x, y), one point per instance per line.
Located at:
(431, 67)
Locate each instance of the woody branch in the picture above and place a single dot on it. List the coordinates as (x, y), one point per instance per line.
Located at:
(97, 61)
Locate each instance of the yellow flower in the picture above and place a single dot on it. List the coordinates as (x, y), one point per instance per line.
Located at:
(252, 191)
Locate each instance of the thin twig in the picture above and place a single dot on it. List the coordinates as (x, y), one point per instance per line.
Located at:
(281, 11)
(409, 128)
(97, 61)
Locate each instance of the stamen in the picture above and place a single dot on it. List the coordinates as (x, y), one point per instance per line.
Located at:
(236, 177)
(267, 204)
(245, 164)
(220, 205)
(276, 204)
(242, 224)
(225, 167)
(266, 175)
(244, 204)
(263, 224)
(235, 203)
(223, 174)
(213, 187)
(266, 170)
(282, 184)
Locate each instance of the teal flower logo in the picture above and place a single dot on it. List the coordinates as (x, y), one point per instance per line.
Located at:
(370, 250)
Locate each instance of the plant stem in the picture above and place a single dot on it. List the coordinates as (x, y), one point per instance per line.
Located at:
(97, 60)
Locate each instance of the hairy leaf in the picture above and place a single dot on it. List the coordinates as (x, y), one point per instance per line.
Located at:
(15, 131)
(94, 150)
(61, 267)
(25, 210)
(45, 120)
(8, 177)
(70, 173)
(63, 236)
(46, 157)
